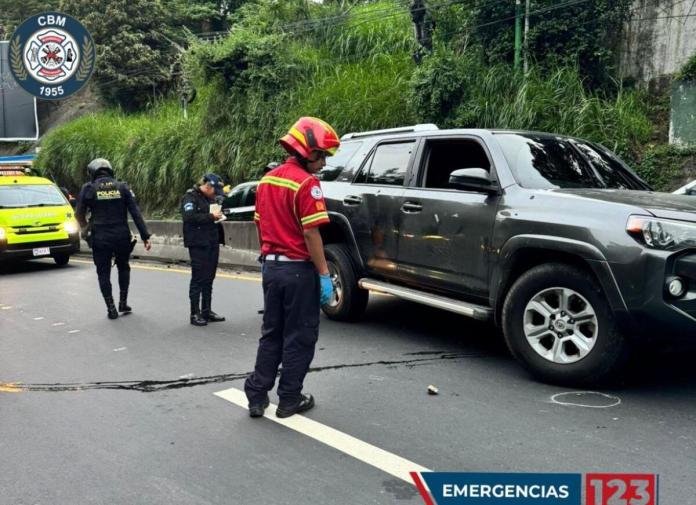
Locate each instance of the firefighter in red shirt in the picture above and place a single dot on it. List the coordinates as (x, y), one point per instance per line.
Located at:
(289, 209)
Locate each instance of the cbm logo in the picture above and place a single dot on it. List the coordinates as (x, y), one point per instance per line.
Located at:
(51, 55)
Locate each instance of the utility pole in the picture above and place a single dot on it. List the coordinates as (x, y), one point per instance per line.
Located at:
(526, 41)
(518, 34)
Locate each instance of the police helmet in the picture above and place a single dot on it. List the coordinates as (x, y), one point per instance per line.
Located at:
(99, 166)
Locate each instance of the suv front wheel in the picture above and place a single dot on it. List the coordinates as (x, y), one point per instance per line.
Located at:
(349, 301)
(557, 322)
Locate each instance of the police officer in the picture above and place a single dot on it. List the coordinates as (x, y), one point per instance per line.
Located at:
(203, 235)
(108, 201)
(289, 209)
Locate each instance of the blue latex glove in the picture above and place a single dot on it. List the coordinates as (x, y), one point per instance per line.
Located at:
(326, 289)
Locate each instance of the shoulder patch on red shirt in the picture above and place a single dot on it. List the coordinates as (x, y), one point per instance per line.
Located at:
(316, 193)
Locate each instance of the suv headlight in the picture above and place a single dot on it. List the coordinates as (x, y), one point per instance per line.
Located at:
(662, 233)
(3, 234)
(70, 227)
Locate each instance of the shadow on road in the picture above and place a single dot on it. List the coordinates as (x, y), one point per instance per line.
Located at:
(649, 369)
(31, 266)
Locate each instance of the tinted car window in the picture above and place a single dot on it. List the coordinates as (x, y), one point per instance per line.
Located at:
(336, 163)
(612, 171)
(250, 197)
(543, 162)
(30, 196)
(235, 197)
(540, 162)
(388, 164)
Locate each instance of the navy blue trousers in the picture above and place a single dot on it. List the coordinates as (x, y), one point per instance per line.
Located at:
(289, 332)
(204, 263)
(106, 249)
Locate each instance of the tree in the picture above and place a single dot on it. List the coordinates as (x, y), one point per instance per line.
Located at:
(14, 12)
(134, 56)
(582, 33)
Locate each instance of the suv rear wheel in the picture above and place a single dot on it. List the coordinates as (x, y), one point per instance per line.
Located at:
(557, 322)
(349, 301)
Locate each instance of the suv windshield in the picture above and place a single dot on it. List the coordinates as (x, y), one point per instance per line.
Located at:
(12, 197)
(545, 162)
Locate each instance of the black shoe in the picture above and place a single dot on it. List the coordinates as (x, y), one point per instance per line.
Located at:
(305, 403)
(123, 302)
(197, 320)
(214, 318)
(257, 410)
(111, 311)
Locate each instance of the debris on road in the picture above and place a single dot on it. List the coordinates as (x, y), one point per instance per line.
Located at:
(432, 390)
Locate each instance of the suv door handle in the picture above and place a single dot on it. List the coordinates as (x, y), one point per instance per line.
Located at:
(352, 200)
(411, 207)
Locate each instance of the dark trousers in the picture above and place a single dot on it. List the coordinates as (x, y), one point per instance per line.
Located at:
(102, 253)
(204, 262)
(289, 332)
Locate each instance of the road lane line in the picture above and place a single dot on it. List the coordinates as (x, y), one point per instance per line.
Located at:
(356, 448)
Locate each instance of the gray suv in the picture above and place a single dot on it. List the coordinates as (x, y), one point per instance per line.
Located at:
(552, 238)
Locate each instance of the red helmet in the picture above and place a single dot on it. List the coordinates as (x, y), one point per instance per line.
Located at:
(310, 134)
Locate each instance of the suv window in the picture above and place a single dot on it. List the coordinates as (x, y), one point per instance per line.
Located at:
(611, 169)
(234, 199)
(388, 164)
(336, 163)
(445, 156)
(546, 162)
(250, 197)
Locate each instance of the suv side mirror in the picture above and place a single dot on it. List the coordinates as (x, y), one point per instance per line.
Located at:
(472, 179)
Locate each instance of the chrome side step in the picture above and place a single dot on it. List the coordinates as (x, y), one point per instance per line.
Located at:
(479, 312)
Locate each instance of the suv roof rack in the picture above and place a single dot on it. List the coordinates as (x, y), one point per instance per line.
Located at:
(403, 129)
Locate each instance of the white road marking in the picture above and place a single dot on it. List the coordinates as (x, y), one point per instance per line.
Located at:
(6, 307)
(120, 349)
(615, 400)
(39, 318)
(74, 331)
(367, 453)
(58, 324)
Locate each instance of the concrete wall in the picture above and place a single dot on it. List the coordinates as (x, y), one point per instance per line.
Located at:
(658, 40)
(242, 244)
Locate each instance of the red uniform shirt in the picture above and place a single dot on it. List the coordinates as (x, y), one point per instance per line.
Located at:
(288, 200)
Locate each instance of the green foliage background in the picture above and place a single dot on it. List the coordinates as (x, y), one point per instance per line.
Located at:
(283, 60)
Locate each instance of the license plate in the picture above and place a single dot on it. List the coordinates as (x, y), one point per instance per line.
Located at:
(42, 251)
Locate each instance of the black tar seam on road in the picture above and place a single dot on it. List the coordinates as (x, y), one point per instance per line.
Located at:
(151, 386)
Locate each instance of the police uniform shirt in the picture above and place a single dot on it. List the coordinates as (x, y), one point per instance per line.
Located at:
(109, 202)
(200, 228)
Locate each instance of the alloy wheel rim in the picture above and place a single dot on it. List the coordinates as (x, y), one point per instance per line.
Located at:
(560, 325)
(337, 284)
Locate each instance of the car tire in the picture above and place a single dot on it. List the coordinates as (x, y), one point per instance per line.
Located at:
(349, 300)
(536, 303)
(61, 259)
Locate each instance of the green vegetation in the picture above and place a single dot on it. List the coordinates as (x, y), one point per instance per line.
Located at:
(663, 165)
(688, 71)
(286, 59)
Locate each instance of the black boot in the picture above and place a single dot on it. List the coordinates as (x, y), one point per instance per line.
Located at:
(123, 302)
(196, 318)
(208, 313)
(112, 313)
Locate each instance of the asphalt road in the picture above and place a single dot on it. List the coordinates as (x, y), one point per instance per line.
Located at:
(94, 411)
